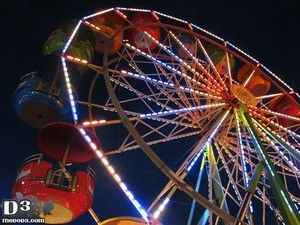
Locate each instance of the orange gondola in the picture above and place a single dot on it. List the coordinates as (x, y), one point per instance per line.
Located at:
(109, 35)
(257, 84)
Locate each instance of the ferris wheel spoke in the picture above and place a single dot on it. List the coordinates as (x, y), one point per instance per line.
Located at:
(168, 85)
(229, 69)
(158, 141)
(180, 90)
(199, 65)
(275, 124)
(154, 130)
(162, 89)
(228, 150)
(170, 68)
(277, 114)
(281, 154)
(219, 191)
(273, 95)
(241, 149)
(136, 116)
(230, 144)
(284, 143)
(189, 162)
(182, 62)
(143, 96)
(188, 110)
(213, 66)
(279, 190)
(229, 173)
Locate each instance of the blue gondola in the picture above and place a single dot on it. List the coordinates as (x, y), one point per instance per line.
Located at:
(41, 96)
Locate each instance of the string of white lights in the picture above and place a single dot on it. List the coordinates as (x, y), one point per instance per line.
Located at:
(171, 68)
(93, 146)
(168, 84)
(164, 203)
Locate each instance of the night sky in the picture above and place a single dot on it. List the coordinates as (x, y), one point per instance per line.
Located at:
(267, 30)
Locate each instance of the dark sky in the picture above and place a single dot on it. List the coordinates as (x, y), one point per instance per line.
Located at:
(267, 30)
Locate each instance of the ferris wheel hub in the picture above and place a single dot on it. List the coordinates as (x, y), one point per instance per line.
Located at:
(243, 95)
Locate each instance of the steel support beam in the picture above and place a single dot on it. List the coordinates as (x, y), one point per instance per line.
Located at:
(250, 192)
(292, 151)
(285, 204)
(152, 155)
(190, 219)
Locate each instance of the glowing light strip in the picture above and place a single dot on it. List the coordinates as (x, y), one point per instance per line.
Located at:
(92, 25)
(98, 13)
(241, 51)
(72, 36)
(281, 138)
(70, 91)
(241, 148)
(192, 69)
(271, 95)
(276, 124)
(115, 175)
(208, 141)
(168, 84)
(121, 14)
(281, 81)
(276, 113)
(161, 208)
(256, 144)
(171, 17)
(217, 37)
(210, 62)
(155, 16)
(179, 59)
(171, 111)
(87, 123)
(99, 154)
(207, 32)
(133, 9)
(169, 67)
(286, 201)
(272, 143)
(138, 93)
(75, 59)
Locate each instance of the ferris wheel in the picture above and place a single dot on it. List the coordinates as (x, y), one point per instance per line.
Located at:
(191, 102)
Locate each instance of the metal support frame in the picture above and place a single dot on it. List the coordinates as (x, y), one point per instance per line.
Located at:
(94, 216)
(285, 204)
(155, 159)
(279, 140)
(191, 214)
(219, 194)
(251, 189)
(204, 218)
